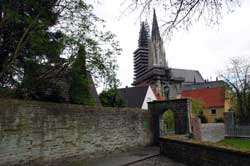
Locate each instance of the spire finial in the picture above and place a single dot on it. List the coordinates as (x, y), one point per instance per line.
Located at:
(155, 27)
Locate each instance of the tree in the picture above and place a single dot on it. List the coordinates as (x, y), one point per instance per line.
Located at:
(168, 119)
(111, 98)
(198, 106)
(40, 39)
(24, 38)
(79, 84)
(183, 13)
(82, 27)
(237, 76)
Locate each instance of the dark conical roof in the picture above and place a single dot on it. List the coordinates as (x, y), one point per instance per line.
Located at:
(144, 35)
(155, 28)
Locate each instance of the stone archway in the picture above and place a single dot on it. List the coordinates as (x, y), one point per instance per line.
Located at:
(182, 109)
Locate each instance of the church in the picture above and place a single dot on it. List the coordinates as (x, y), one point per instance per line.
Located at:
(155, 80)
(151, 67)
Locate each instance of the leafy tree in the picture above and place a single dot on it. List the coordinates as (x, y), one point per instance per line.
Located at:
(36, 34)
(198, 107)
(183, 13)
(111, 98)
(82, 27)
(237, 76)
(79, 84)
(168, 119)
(23, 26)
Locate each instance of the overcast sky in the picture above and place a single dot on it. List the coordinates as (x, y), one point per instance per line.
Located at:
(201, 48)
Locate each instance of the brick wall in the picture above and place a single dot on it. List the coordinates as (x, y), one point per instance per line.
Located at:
(41, 132)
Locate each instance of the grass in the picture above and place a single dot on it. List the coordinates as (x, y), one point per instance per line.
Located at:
(237, 143)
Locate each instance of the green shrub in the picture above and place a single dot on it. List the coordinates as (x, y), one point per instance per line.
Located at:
(7, 93)
(168, 118)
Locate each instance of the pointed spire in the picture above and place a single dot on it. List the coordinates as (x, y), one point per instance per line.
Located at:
(144, 35)
(155, 28)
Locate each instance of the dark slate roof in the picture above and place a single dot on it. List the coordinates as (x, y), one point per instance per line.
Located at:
(134, 96)
(213, 84)
(189, 76)
(93, 91)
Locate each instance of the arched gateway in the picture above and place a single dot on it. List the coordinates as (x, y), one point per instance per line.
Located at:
(182, 109)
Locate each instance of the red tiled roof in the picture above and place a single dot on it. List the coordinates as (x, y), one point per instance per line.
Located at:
(212, 97)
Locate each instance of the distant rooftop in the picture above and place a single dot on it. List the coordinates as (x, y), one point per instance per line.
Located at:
(134, 96)
(188, 76)
(203, 85)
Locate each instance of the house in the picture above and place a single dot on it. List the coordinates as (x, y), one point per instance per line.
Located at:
(213, 94)
(137, 97)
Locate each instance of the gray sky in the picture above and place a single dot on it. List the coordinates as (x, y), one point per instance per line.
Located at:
(202, 48)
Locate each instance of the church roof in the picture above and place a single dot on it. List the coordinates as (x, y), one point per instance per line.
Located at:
(212, 84)
(134, 96)
(188, 76)
(92, 90)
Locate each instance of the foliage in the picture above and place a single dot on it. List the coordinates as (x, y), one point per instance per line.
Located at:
(168, 119)
(23, 27)
(238, 143)
(82, 27)
(219, 120)
(203, 118)
(39, 41)
(183, 13)
(198, 106)
(112, 98)
(237, 76)
(79, 82)
(7, 93)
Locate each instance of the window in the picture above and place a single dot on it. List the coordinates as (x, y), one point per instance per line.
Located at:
(213, 111)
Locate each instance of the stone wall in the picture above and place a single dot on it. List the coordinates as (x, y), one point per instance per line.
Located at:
(36, 132)
(212, 132)
(233, 129)
(202, 155)
(196, 127)
(208, 132)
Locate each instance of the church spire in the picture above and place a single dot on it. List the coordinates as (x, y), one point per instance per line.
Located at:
(157, 51)
(155, 28)
(144, 35)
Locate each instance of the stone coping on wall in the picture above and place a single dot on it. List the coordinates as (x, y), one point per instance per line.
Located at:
(202, 154)
(10, 103)
(183, 139)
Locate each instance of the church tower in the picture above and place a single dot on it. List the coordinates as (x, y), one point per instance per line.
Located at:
(142, 53)
(150, 66)
(157, 52)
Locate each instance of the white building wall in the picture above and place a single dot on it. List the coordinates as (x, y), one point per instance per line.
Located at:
(150, 96)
